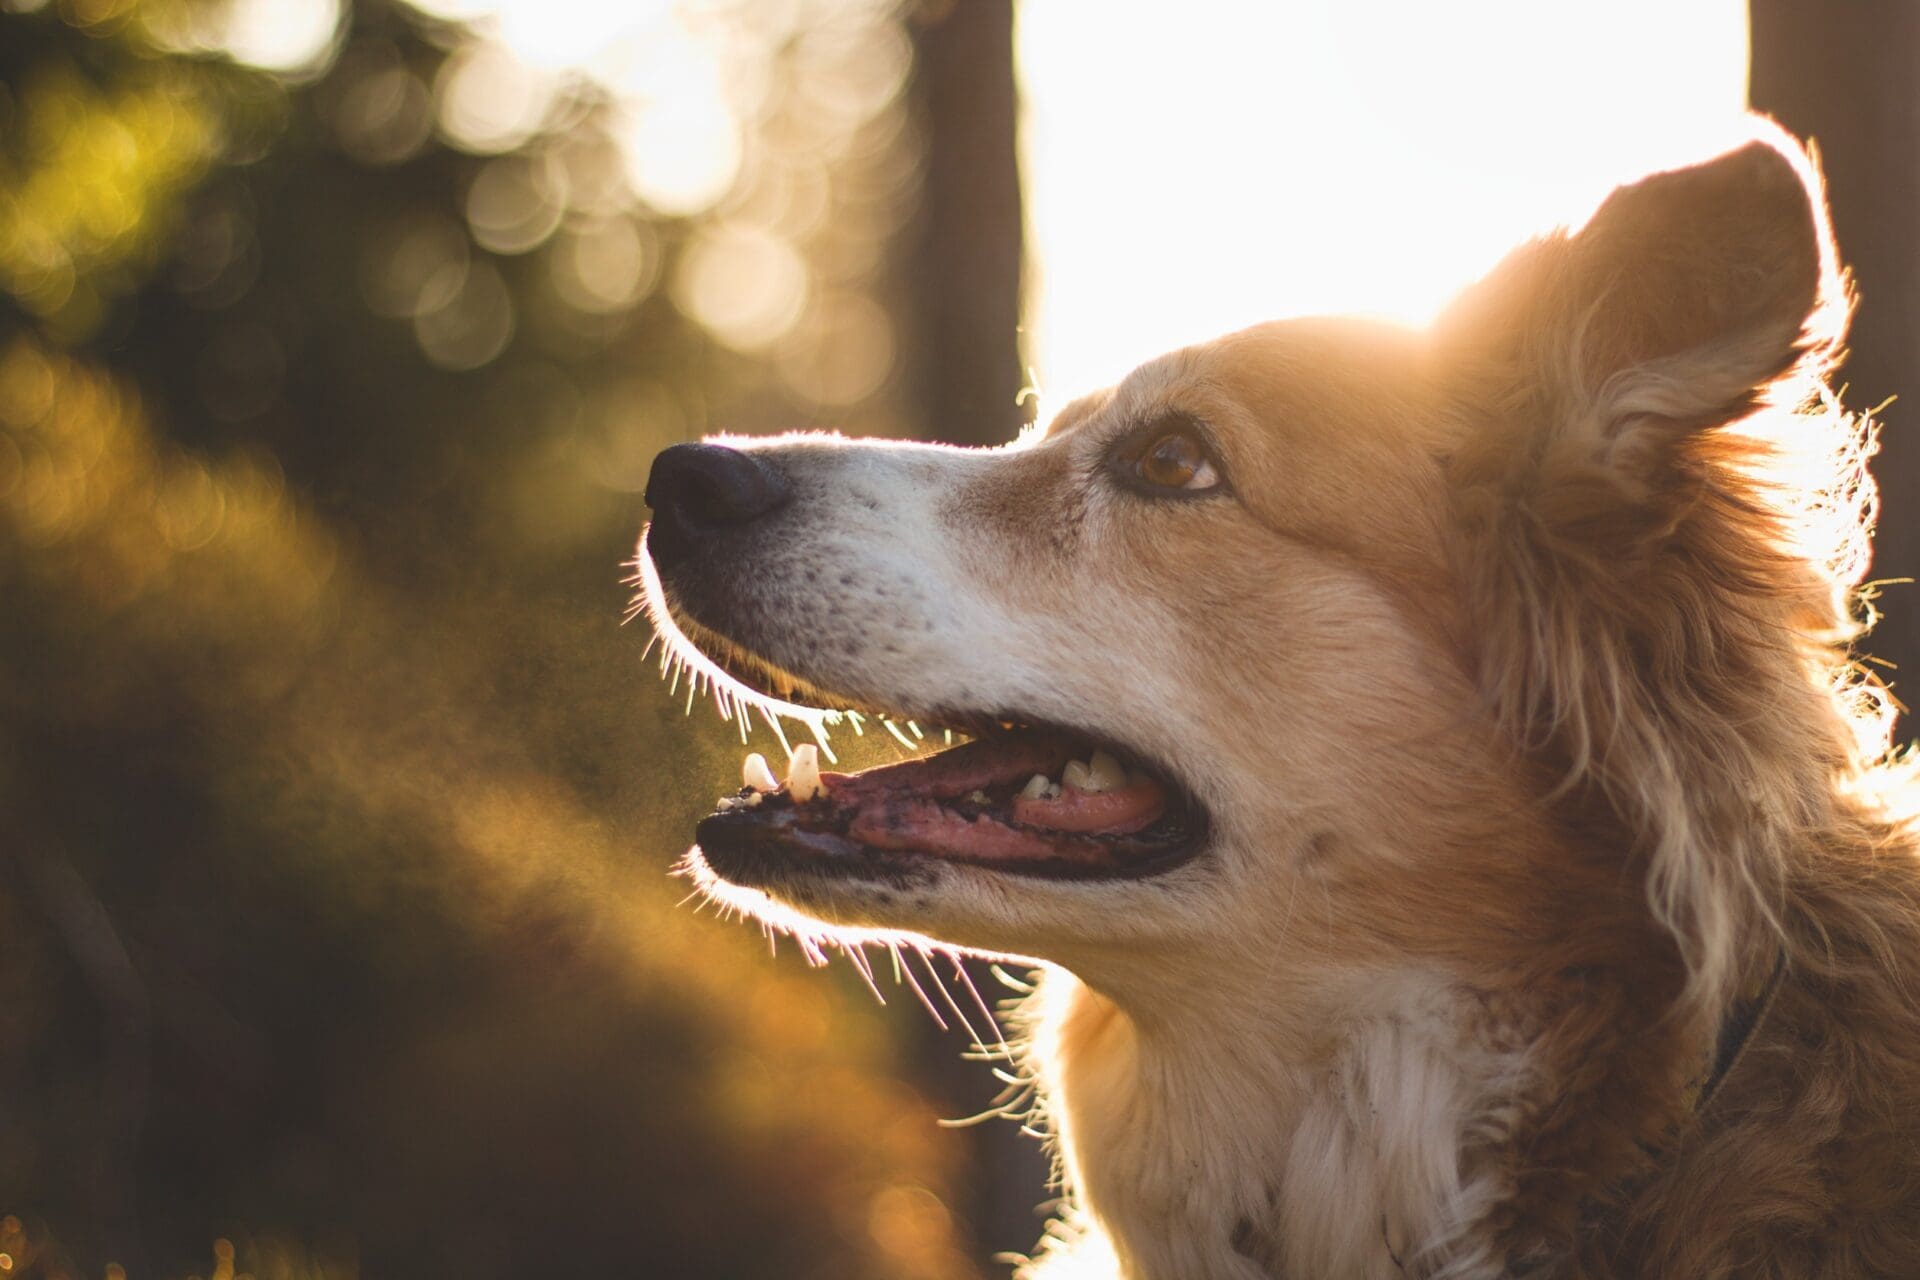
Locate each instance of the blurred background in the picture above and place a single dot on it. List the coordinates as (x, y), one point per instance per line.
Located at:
(336, 337)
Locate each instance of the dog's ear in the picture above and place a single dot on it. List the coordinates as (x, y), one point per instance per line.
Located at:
(1660, 517)
(1679, 306)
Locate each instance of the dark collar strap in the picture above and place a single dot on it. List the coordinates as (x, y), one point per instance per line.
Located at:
(1737, 1030)
(1736, 1033)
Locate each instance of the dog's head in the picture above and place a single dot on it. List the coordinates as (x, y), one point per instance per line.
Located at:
(1409, 640)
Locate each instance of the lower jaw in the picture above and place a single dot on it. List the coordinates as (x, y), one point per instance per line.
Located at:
(748, 855)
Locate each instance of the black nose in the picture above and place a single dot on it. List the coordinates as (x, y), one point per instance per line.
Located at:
(702, 489)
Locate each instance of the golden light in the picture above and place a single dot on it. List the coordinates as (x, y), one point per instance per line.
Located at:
(606, 266)
(745, 285)
(488, 99)
(668, 70)
(1194, 172)
(290, 36)
(516, 203)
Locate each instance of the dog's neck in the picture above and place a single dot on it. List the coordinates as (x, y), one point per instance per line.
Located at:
(1326, 1155)
(1359, 1145)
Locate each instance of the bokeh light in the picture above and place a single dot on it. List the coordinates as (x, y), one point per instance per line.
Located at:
(747, 285)
(473, 324)
(840, 351)
(515, 203)
(85, 184)
(290, 36)
(488, 100)
(413, 265)
(381, 112)
(606, 265)
(347, 345)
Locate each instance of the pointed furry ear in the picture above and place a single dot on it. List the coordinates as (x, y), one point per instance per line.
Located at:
(1659, 522)
(1679, 304)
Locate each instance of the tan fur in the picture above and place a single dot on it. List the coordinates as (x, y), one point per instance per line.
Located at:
(1515, 676)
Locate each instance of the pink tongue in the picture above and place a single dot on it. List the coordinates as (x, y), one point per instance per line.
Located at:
(1117, 812)
(927, 826)
(900, 806)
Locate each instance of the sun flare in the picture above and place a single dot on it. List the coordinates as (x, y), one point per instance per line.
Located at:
(1248, 162)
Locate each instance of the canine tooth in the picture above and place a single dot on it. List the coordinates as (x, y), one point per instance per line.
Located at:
(803, 773)
(1078, 776)
(755, 773)
(1037, 786)
(1105, 773)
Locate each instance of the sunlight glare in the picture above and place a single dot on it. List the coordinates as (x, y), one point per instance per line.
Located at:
(1239, 163)
(667, 70)
(288, 36)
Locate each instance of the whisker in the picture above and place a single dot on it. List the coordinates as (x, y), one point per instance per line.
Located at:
(773, 722)
(856, 954)
(901, 967)
(966, 979)
(1019, 986)
(960, 1015)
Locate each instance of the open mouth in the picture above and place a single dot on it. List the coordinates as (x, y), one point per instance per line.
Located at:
(1034, 801)
(1021, 798)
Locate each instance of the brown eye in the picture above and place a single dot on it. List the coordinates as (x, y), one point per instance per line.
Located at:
(1175, 460)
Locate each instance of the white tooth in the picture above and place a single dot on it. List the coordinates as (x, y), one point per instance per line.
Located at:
(755, 773)
(803, 773)
(977, 796)
(1053, 791)
(1106, 773)
(728, 804)
(1078, 776)
(1036, 787)
(752, 801)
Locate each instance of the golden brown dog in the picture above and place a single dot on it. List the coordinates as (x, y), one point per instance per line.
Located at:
(1430, 765)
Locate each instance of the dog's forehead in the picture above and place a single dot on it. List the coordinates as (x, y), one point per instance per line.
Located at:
(1280, 378)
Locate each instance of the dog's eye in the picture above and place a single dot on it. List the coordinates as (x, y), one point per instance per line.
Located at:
(1175, 459)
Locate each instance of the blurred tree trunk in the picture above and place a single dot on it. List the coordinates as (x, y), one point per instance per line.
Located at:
(962, 274)
(963, 265)
(1843, 75)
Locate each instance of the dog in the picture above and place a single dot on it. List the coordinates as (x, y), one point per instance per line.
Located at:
(1431, 765)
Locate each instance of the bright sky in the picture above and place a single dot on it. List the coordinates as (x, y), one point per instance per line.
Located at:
(1195, 168)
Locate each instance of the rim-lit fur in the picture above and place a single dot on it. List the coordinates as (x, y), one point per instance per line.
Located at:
(1512, 671)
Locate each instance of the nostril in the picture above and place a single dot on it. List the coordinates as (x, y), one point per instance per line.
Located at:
(707, 488)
